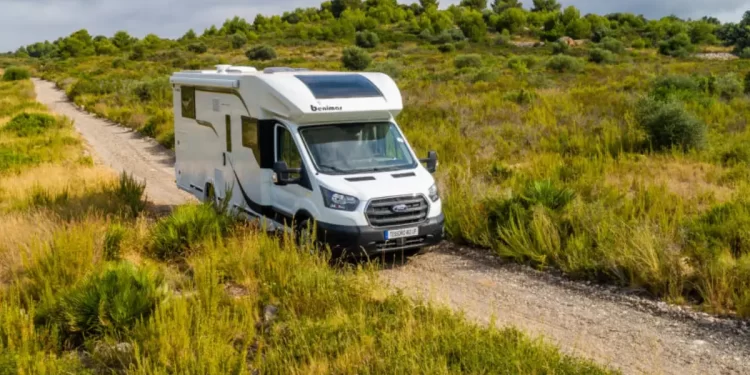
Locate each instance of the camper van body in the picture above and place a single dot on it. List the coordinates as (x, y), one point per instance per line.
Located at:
(293, 147)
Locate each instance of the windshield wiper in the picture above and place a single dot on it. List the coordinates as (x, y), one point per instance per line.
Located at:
(335, 169)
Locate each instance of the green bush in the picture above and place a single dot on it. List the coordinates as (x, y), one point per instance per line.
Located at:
(447, 48)
(261, 52)
(564, 63)
(391, 68)
(726, 226)
(29, 124)
(601, 56)
(113, 241)
(611, 44)
(130, 192)
(677, 46)
(198, 48)
(560, 48)
(729, 86)
(668, 124)
(367, 39)
(119, 63)
(238, 40)
(109, 302)
(355, 58)
(745, 53)
(16, 73)
(638, 43)
(467, 61)
(183, 231)
(679, 86)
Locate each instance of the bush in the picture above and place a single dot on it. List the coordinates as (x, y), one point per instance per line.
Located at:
(355, 58)
(601, 56)
(728, 86)
(521, 96)
(113, 241)
(669, 124)
(564, 63)
(675, 86)
(676, 46)
(447, 48)
(726, 226)
(198, 48)
(613, 45)
(119, 63)
(109, 302)
(367, 39)
(467, 61)
(16, 73)
(262, 52)
(745, 53)
(391, 68)
(238, 40)
(522, 64)
(560, 48)
(638, 43)
(183, 231)
(28, 124)
(394, 54)
(130, 192)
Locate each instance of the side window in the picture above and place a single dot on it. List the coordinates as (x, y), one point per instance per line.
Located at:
(250, 136)
(187, 95)
(286, 150)
(229, 132)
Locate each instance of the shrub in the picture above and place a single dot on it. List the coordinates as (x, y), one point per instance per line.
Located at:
(119, 63)
(669, 124)
(355, 58)
(261, 52)
(674, 85)
(611, 44)
(564, 63)
(545, 193)
(113, 241)
(394, 54)
(16, 73)
(601, 56)
(390, 68)
(521, 96)
(447, 48)
(485, 75)
(560, 48)
(676, 46)
(457, 35)
(367, 39)
(238, 40)
(745, 53)
(728, 86)
(726, 226)
(198, 48)
(467, 61)
(130, 192)
(183, 231)
(109, 302)
(638, 43)
(28, 124)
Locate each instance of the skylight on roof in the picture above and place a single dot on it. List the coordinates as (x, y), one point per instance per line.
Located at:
(340, 86)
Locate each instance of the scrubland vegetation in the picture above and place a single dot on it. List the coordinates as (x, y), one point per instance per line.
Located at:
(618, 159)
(93, 282)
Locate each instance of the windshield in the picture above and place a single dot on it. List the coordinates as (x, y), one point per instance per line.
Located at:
(357, 148)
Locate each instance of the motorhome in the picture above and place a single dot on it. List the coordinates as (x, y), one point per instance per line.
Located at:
(300, 149)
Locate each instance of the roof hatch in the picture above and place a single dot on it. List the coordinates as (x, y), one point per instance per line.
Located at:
(340, 86)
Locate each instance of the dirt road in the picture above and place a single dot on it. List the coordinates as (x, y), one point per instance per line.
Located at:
(628, 333)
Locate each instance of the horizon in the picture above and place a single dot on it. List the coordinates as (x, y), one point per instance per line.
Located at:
(55, 20)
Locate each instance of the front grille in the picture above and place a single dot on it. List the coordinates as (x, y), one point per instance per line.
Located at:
(381, 213)
(401, 244)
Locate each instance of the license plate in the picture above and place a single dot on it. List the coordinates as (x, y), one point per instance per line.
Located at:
(401, 233)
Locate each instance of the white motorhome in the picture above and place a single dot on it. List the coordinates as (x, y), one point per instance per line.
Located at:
(296, 147)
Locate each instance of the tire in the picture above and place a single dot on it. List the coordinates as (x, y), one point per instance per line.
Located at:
(305, 234)
(210, 194)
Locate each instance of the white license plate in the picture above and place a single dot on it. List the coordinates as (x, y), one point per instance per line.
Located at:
(401, 233)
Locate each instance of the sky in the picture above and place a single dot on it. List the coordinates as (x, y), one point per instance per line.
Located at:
(26, 21)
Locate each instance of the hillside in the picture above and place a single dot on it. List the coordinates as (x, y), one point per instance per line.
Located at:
(621, 159)
(93, 281)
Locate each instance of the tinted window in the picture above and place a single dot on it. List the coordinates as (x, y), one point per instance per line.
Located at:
(229, 133)
(250, 136)
(286, 150)
(340, 86)
(188, 101)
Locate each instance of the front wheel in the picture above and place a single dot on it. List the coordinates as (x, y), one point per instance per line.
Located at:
(305, 232)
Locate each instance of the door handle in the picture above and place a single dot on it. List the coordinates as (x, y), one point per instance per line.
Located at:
(224, 156)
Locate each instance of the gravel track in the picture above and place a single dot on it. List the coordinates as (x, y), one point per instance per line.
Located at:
(610, 326)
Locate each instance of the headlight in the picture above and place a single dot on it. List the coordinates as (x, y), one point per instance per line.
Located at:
(338, 201)
(434, 193)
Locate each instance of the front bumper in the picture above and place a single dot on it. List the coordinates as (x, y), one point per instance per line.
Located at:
(368, 240)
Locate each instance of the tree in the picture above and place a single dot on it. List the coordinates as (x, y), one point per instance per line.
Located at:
(238, 40)
(702, 32)
(427, 4)
(105, 47)
(499, 6)
(511, 19)
(339, 6)
(189, 36)
(123, 40)
(479, 5)
(473, 26)
(579, 29)
(569, 15)
(546, 6)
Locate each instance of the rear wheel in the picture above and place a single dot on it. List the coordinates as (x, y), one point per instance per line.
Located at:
(210, 194)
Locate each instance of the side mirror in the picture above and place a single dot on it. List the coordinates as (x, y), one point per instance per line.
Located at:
(431, 161)
(280, 173)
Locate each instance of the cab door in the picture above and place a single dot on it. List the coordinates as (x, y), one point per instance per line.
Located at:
(286, 197)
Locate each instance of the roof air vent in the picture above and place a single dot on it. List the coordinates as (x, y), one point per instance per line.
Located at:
(222, 69)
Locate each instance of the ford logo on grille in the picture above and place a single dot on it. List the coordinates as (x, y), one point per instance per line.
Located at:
(399, 208)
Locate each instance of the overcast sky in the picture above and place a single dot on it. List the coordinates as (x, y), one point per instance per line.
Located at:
(26, 21)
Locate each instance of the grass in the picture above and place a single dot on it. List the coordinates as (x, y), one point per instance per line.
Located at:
(84, 289)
